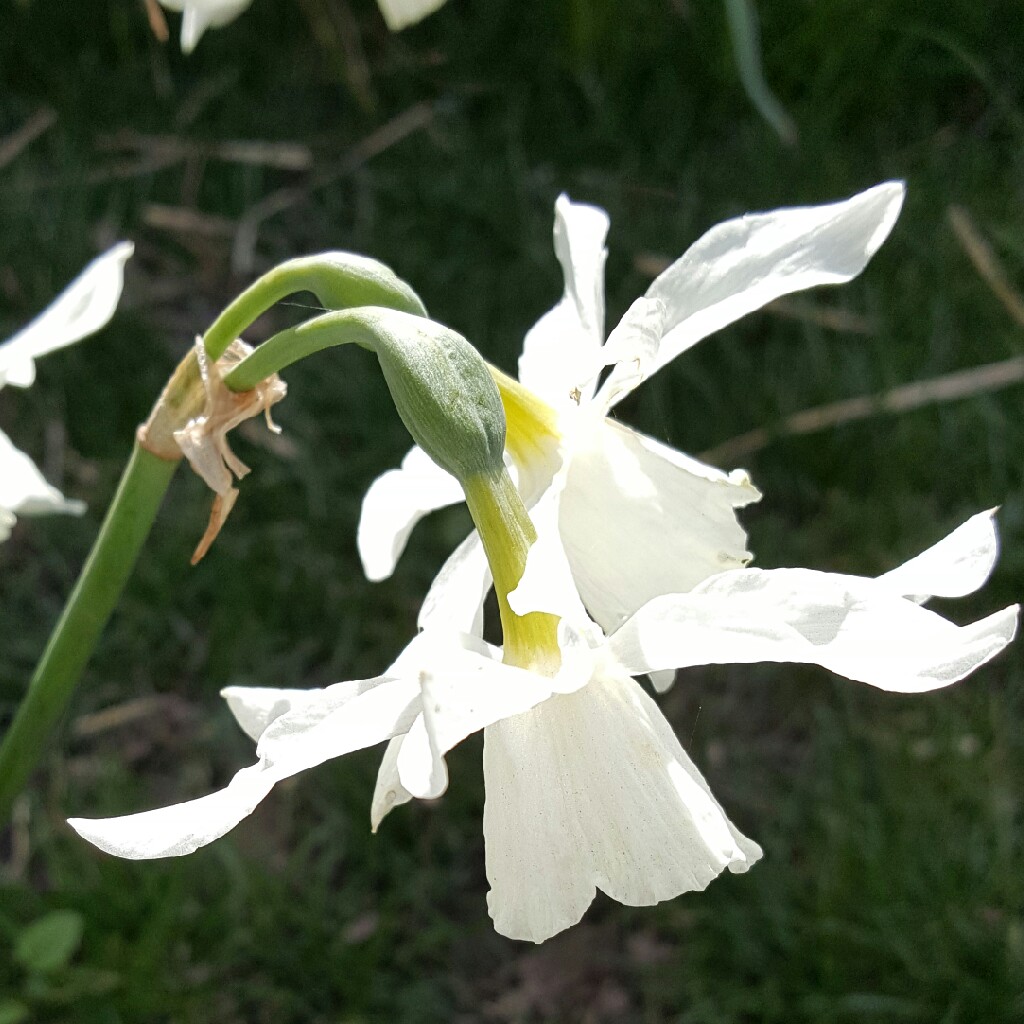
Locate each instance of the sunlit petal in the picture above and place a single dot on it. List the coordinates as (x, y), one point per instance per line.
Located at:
(592, 791)
(81, 309)
(743, 264)
(394, 504)
(640, 519)
(561, 353)
(959, 564)
(399, 14)
(858, 628)
(356, 716)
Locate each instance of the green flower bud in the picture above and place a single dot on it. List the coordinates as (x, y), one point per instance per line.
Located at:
(441, 387)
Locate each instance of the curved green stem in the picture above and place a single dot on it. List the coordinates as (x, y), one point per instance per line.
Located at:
(338, 280)
(127, 524)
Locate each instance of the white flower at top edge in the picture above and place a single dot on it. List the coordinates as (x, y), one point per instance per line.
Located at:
(80, 310)
(199, 15)
(637, 518)
(587, 787)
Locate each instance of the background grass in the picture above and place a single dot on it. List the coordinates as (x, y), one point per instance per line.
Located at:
(893, 884)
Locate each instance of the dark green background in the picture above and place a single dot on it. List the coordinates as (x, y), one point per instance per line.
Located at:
(892, 887)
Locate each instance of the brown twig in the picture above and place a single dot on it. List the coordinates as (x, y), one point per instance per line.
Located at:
(21, 138)
(388, 135)
(985, 261)
(186, 220)
(286, 156)
(948, 388)
(157, 21)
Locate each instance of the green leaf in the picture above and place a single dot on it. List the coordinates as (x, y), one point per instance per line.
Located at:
(47, 945)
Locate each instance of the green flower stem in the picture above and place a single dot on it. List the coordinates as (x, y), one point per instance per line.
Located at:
(529, 641)
(127, 524)
(337, 279)
(448, 399)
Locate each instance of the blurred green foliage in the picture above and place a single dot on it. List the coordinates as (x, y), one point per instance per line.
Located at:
(893, 886)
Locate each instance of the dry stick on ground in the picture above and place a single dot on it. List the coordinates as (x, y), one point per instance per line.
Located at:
(286, 156)
(951, 386)
(389, 134)
(20, 139)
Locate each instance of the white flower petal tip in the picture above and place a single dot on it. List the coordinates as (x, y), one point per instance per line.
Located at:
(958, 565)
(199, 15)
(85, 306)
(591, 791)
(742, 264)
(562, 351)
(394, 504)
(203, 440)
(24, 490)
(399, 14)
(318, 725)
(180, 829)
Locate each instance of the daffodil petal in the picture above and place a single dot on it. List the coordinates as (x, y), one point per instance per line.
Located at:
(591, 791)
(561, 353)
(255, 707)
(458, 703)
(858, 628)
(745, 263)
(959, 564)
(24, 490)
(547, 582)
(389, 792)
(632, 349)
(358, 715)
(640, 519)
(399, 14)
(456, 597)
(396, 501)
(199, 15)
(81, 309)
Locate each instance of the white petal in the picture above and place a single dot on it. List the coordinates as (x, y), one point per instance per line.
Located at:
(455, 600)
(856, 627)
(632, 348)
(389, 792)
(255, 707)
(81, 309)
(959, 564)
(199, 15)
(592, 790)
(562, 351)
(399, 14)
(547, 583)
(640, 519)
(23, 488)
(7, 522)
(743, 264)
(348, 717)
(394, 504)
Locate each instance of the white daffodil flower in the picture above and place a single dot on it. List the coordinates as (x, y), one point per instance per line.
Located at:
(637, 518)
(81, 309)
(199, 15)
(587, 787)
